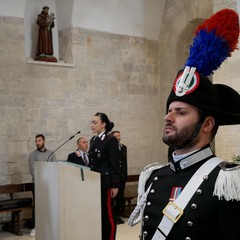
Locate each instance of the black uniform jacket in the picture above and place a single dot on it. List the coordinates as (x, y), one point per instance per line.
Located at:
(104, 157)
(72, 157)
(123, 162)
(205, 216)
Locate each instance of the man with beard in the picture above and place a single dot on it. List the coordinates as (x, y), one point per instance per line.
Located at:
(197, 195)
(40, 154)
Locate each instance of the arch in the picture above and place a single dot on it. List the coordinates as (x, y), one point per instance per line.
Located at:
(185, 39)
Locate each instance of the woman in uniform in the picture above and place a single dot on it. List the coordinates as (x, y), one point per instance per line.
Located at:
(104, 158)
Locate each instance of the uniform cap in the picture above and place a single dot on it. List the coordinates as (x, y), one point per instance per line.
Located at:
(214, 42)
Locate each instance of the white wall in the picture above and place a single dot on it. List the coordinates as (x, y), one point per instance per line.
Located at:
(141, 18)
(64, 9)
(12, 8)
(131, 17)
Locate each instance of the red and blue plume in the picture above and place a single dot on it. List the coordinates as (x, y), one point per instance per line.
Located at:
(214, 41)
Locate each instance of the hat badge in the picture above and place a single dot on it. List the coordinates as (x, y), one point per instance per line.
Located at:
(186, 82)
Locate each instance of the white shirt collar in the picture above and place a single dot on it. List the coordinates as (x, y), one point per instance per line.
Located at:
(100, 134)
(177, 158)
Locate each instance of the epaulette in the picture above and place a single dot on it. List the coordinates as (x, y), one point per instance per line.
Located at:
(145, 174)
(227, 183)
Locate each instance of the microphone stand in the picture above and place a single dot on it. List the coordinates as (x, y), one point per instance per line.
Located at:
(62, 144)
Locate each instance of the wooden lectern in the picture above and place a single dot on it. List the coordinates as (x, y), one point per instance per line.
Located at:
(67, 202)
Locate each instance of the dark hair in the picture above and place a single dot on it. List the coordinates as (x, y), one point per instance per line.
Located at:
(203, 115)
(104, 118)
(40, 135)
(116, 131)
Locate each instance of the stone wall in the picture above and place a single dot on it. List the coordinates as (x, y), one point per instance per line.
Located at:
(111, 73)
(177, 29)
(178, 25)
(129, 78)
(107, 73)
(227, 142)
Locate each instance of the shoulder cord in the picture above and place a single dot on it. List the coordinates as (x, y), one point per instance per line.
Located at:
(137, 213)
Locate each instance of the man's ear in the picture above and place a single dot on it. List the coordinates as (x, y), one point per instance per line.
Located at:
(208, 124)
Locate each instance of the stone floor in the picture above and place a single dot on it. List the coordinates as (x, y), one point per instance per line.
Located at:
(124, 232)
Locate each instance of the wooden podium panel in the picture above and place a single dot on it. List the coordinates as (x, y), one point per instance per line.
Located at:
(68, 202)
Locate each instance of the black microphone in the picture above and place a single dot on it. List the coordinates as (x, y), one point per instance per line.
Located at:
(74, 135)
(62, 144)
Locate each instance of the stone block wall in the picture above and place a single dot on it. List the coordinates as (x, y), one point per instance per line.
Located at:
(227, 142)
(178, 25)
(128, 78)
(176, 36)
(111, 73)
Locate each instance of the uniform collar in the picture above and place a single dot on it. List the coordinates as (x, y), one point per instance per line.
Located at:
(102, 135)
(81, 152)
(191, 159)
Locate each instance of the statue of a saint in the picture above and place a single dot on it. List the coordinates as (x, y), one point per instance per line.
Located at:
(45, 43)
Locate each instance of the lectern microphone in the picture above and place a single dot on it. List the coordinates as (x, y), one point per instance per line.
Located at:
(63, 144)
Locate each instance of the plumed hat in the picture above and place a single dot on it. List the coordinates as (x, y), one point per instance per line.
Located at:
(214, 41)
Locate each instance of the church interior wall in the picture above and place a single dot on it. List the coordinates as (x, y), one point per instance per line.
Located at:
(227, 141)
(126, 76)
(111, 73)
(178, 25)
(176, 35)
